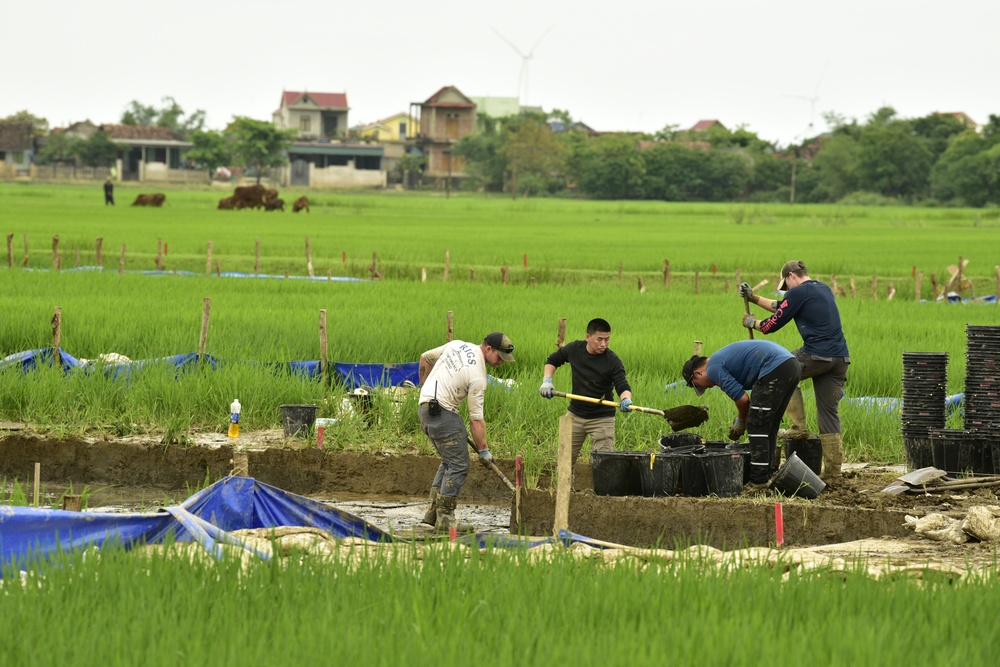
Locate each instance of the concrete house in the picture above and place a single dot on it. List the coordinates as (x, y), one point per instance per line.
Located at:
(399, 127)
(322, 154)
(445, 117)
(17, 147)
(151, 153)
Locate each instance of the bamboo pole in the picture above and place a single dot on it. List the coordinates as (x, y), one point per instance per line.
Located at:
(696, 281)
(55, 251)
(323, 348)
(697, 348)
(854, 289)
(24, 262)
(423, 274)
(309, 259)
(121, 262)
(159, 254)
(447, 264)
(256, 261)
(38, 481)
(526, 260)
(919, 284)
(343, 257)
(666, 272)
(739, 276)
(891, 293)
(564, 469)
(208, 260)
(218, 268)
(504, 271)
(10, 251)
(203, 341)
(100, 254)
(642, 286)
(57, 335)
(451, 326)
(561, 333)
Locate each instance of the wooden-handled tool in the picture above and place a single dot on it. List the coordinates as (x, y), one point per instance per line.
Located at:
(493, 466)
(679, 418)
(746, 309)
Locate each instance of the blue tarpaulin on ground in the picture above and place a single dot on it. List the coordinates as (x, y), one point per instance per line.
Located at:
(207, 517)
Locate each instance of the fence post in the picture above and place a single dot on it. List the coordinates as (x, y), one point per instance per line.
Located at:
(204, 328)
(208, 260)
(309, 259)
(561, 334)
(323, 367)
(666, 272)
(10, 251)
(57, 335)
(916, 291)
(447, 264)
(696, 281)
(24, 262)
(451, 326)
(504, 270)
(256, 261)
(100, 257)
(121, 262)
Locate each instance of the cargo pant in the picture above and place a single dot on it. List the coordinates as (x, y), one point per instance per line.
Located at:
(601, 431)
(451, 441)
(768, 399)
(829, 374)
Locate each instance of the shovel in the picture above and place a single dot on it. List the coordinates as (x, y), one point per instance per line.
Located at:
(493, 466)
(679, 418)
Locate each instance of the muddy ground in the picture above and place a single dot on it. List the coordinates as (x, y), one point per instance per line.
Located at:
(388, 490)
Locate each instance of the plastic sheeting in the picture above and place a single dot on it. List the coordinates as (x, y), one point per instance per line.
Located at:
(207, 517)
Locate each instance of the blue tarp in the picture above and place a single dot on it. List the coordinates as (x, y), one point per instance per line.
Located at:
(232, 503)
(208, 517)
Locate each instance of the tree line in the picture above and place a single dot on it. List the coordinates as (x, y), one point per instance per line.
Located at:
(935, 159)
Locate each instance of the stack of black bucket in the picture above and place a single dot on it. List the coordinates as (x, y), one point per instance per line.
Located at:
(982, 396)
(925, 386)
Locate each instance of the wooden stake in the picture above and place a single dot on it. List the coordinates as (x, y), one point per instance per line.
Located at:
(518, 483)
(373, 268)
(256, 261)
(760, 285)
(696, 281)
(24, 262)
(309, 259)
(666, 272)
(564, 468)
(343, 257)
(10, 251)
(697, 348)
(891, 293)
(533, 281)
(997, 270)
(57, 335)
(329, 274)
(713, 269)
(874, 287)
(854, 289)
(447, 264)
(323, 350)
(934, 287)
(472, 275)
(525, 260)
(739, 276)
(503, 273)
(77, 258)
(100, 257)
(451, 326)
(833, 283)
(561, 333)
(423, 275)
(917, 290)
(55, 250)
(202, 342)
(208, 260)
(159, 254)
(642, 286)
(121, 262)
(619, 272)
(38, 481)
(218, 269)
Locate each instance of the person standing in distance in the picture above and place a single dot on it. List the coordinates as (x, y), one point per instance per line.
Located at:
(109, 192)
(770, 373)
(598, 373)
(449, 374)
(823, 356)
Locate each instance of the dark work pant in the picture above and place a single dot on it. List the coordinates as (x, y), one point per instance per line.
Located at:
(768, 399)
(449, 437)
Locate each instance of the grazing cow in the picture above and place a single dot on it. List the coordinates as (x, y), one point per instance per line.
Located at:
(268, 195)
(227, 203)
(155, 199)
(300, 203)
(275, 204)
(251, 196)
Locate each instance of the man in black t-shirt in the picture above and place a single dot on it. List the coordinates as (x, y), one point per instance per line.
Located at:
(597, 373)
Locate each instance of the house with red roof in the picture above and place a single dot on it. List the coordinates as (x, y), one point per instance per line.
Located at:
(445, 117)
(705, 125)
(313, 115)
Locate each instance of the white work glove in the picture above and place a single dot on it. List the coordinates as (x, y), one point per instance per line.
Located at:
(546, 389)
(737, 429)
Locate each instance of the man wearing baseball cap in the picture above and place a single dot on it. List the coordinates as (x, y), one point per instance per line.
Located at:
(450, 374)
(823, 356)
(770, 373)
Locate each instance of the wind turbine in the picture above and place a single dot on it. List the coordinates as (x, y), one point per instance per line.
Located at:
(522, 79)
(812, 100)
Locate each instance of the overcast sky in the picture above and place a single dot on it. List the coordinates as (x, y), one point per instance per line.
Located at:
(772, 66)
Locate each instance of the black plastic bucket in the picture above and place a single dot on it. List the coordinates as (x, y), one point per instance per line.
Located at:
(674, 440)
(918, 453)
(660, 474)
(298, 420)
(794, 478)
(617, 473)
(732, 448)
(952, 450)
(723, 472)
(693, 480)
(810, 450)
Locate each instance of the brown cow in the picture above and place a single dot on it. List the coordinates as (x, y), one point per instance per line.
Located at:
(155, 199)
(301, 203)
(275, 204)
(227, 203)
(251, 196)
(269, 195)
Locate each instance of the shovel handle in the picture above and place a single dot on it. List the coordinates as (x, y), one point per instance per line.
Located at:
(494, 468)
(610, 404)
(746, 309)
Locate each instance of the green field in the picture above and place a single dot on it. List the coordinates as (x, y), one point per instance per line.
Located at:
(574, 250)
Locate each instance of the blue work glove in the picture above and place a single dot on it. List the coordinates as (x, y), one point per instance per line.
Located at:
(747, 292)
(546, 389)
(485, 456)
(625, 405)
(749, 321)
(737, 429)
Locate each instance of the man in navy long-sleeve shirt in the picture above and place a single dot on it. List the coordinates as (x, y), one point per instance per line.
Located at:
(823, 355)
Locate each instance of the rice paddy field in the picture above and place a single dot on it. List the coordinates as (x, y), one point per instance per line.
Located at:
(563, 259)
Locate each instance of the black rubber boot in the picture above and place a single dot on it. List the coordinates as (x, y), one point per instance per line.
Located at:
(446, 513)
(430, 516)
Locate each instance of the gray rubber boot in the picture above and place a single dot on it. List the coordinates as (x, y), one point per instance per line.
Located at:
(430, 516)
(446, 513)
(833, 455)
(796, 411)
